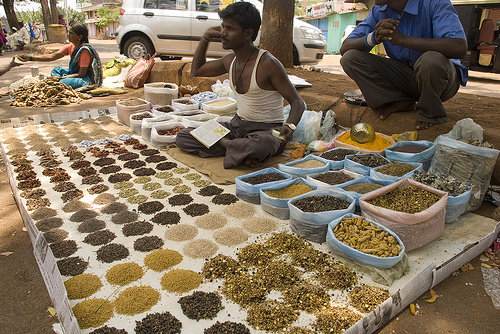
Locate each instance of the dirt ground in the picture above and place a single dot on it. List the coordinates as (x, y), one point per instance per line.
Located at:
(463, 305)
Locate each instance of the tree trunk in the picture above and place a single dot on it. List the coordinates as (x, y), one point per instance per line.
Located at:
(47, 17)
(8, 6)
(53, 11)
(277, 30)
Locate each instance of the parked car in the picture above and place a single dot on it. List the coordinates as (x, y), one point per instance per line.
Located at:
(173, 28)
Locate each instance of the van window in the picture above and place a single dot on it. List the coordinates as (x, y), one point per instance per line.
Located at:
(208, 5)
(165, 4)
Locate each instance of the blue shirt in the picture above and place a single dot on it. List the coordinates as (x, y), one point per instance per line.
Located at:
(420, 18)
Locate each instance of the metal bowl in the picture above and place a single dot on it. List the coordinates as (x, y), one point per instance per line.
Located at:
(362, 133)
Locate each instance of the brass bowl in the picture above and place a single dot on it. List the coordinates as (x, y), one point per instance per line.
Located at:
(362, 133)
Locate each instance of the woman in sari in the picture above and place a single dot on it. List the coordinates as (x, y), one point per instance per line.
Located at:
(84, 65)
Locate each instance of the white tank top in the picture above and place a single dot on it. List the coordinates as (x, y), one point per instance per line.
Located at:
(258, 105)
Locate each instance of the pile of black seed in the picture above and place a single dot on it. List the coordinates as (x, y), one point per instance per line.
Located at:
(91, 225)
(210, 191)
(227, 327)
(64, 186)
(149, 151)
(166, 165)
(137, 228)
(86, 171)
(46, 224)
(158, 323)
(71, 194)
(337, 154)
(82, 215)
(144, 171)
(147, 244)
(110, 169)
(166, 218)
(108, 330)
(180, 199)
(150, 207)
(98, 189)
(263, 178)
(55, 235)
(155, 158)
(92, 179)
(225, 199)
(112, 252)
(114, 207)
(133, 164)
(104, 162)
(72, 266)
(63, 248)
(124, 217)
(201, 305)
(99, 238)
(80, 164)
(333, 177)
(119, 177)
(195, 209)
(128, 156)
(321, 203)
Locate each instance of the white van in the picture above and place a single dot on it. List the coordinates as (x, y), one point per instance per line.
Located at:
(173, 28)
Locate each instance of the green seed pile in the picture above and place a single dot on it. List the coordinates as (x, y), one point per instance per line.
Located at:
(82, 286)
(136, 299)
(124, 273)
(180, 280)
(93, 312)
(162, 259)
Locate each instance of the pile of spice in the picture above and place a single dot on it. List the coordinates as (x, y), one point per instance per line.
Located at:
(333, 177)
(362, 187)
(290, 191)
(337, 154)
(410, 199)
(263, 178)
(369, 160)
(449, 184)
(378, 144)
(397, 169)
(320, 203)
(309, 164)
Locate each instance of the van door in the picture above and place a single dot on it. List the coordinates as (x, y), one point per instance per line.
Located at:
(168, 22)
(206, 15)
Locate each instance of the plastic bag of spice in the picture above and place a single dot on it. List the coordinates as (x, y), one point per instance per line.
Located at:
(147, 124)
(313, 225)
(412, 151)
(248, 186)
(378, 145)
(391, 171)
(159, 136)
(309, 165)
(467, 163)
(274, 199)
(414, 229)
(365, 181)
(363, 163)
(330, 179)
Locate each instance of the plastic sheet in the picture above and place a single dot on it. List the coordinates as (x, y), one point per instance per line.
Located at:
(491, 278)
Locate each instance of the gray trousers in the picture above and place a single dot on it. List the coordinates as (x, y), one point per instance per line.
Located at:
(248, 140)
(383, 81)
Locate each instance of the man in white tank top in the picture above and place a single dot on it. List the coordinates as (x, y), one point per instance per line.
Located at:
(260, 83)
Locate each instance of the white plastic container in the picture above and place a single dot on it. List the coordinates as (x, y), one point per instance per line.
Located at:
(161, 93)
(159, 111)
(161, 141)
(127, 107)
(220, 105)
(136, 124)
(148, 123)
(185, 104)
(197, 120)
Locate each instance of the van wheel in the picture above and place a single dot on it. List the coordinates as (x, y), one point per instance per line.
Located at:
(138, 47)
(296, 61)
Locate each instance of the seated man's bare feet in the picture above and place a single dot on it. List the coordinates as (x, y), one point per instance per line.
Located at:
(424, 122)
(253, 163)
(419, 125)
(390, 108)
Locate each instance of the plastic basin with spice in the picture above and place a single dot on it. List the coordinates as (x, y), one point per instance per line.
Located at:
(414, 211)
(381, 142)
(395, 171)
(337, 155)
(412, 151)
(248, 186)
(311, 164)
(311, 213)
(390, 250)
(362, 186)
(363, 163)
(274, 199)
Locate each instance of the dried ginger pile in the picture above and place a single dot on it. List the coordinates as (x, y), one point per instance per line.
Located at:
(48, 92)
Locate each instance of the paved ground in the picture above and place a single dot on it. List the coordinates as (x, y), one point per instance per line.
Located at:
(463, 305)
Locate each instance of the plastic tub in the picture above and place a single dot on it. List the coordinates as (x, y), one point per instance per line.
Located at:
(251, 192)
(127, 107)
(161, 93)
(347, 251)
(219, 106)
(424, 157)
(161, 141)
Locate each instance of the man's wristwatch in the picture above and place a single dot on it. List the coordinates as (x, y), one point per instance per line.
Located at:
(291, 126)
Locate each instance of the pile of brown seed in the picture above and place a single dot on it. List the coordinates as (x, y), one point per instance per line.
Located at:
(137, 228)
(166, 218)
(72, 266)
(124, 217)
(150, 207)
(148, 243)
(230, 236)
(158, 323)
(225, 199)
(200, 248)
(211, 221)
(271, 316)
(91, 225)
(63, 248)
(201, 305)
(75, 205)
(108, 330)
(240, 210)
(55, 235)
(134, 164)
(335, 320)
(181, 232)
(367, 298)
(119, 177)
(180, 199)
(99, 238)
(112, 252)
(227, 327)
(166, 165)
(196, 209)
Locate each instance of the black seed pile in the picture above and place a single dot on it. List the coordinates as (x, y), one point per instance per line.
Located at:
(149, 151)
(137, 228)
(114, 208)
(104, 162)
(71, 194)
(166, 218)
(82, 215)
(166, 165)
(112, 252)
(124, 217)
(55, 235)
(74, 205)
(110, 169)
(119, 177)
(108, 330)
(338, 154)
(225, 199)
(46, 224)
(91, 225)
(133, 164)
(195, 209)
(144, 171)
(63, 248)
(86, 171)
(201, 305)
(155, 158)
(43, 213)
(98, 189)
(92, 179)
(147, 244)
(99, 238)
(158, 323)
(150, 207)
(72, 266)
(64, 186)
(227, 327)
(180, 199)
(263, 178)
(210, 191)
(128, 156)
(80, 164)
(333, 177)
(321, 203)
(369, 160)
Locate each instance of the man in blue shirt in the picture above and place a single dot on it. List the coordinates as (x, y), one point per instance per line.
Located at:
(424, 40)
